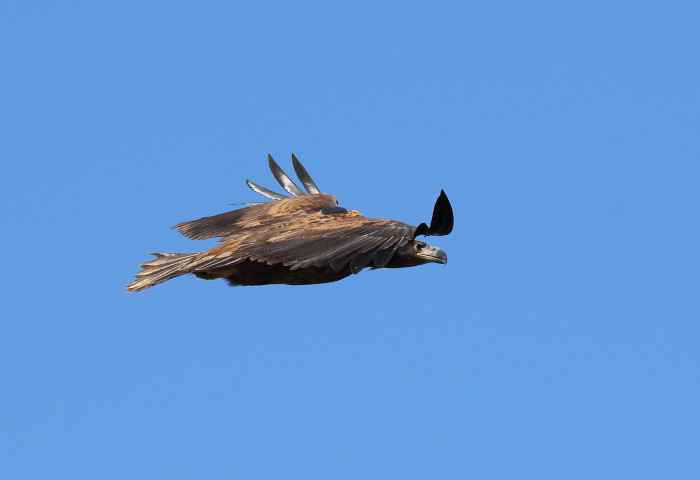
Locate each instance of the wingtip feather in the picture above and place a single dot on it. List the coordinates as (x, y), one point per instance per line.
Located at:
(304, 176)
(282, 178)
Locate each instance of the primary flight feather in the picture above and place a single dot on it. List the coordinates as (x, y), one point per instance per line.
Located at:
(300, 239)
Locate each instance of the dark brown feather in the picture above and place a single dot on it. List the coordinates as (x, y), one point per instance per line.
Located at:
(313, 241)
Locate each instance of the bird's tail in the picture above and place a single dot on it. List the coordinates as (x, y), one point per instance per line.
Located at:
(164, 267)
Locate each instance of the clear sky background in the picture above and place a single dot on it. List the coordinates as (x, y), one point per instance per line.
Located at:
(562, 340)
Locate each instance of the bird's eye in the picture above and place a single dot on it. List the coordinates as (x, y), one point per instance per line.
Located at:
(419, 247)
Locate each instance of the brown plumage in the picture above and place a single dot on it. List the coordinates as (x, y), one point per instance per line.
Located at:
(299, 240)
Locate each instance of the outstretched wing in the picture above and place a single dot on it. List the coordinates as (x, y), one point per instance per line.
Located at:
(259, 215)
(338, 241)
(283, 209)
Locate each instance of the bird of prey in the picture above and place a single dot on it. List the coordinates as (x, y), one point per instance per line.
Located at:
(299, 240)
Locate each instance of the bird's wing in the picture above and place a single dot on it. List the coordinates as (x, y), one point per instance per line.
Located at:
(281, 210)
(340, 240)
(259, 215)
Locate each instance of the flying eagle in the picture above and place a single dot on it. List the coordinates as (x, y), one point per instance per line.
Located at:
(299, 240)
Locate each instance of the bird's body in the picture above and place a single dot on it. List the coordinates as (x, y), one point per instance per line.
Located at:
(298, 240)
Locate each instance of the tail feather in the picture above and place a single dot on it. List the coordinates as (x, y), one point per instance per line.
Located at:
(164, 267)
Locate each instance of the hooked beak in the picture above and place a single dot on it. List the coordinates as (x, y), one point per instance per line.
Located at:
(435, 255)
(441, 256)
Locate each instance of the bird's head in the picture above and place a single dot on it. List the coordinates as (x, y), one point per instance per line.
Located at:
(417, 253)
(425, 252)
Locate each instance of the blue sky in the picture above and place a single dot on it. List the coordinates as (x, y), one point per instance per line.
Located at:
(561, 341)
